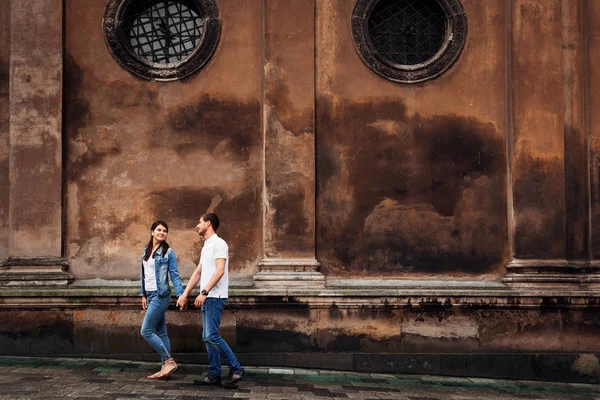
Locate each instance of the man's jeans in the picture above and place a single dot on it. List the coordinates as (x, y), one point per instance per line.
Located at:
(215, 345)
(154, 328)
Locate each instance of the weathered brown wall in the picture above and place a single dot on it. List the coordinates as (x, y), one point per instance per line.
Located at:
(412, 178)
(4, 123)
(452, 176)
(139, 151)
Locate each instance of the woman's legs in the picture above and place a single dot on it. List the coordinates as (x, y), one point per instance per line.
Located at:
(154, 323)
(161, 331)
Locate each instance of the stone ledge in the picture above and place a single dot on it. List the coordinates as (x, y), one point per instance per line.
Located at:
(391, 298)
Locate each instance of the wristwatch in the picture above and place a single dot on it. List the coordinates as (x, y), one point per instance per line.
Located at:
(204, 292)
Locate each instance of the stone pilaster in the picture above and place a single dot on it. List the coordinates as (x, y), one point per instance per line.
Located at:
(289, 129)
(35, 145)
(4, 123)
(550, 163)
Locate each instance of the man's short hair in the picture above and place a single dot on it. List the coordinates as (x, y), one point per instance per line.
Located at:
(214, 220)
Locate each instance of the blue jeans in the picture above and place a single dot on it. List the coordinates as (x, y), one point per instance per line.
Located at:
(216, 347)
(154, 328)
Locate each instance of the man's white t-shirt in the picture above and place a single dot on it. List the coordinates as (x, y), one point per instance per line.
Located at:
(214, 248)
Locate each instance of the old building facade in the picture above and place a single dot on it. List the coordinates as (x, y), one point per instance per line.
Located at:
(404, 185)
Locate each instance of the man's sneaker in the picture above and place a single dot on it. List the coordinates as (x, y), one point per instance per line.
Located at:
(208, 380)
(234, 378)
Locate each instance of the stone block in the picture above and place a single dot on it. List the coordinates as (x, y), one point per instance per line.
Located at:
(329, 361)
(440, 331)
(283, 330)
(36, 332)
(520, 330)
(370, 329)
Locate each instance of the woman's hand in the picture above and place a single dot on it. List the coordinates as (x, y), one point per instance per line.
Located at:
(144, 303)
(182, 302)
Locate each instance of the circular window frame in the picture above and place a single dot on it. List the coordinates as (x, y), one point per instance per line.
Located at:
(444, 58)
(126, 58)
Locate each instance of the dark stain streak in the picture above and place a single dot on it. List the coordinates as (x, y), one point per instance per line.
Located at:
(457, 149)
(539, 207)
(283, 110)
(212, 124)
(182, 205)
(123, 97)
(273, 340)
(76, 108)
(77, 116)
(240, 221)
(577, 196)
(4, 77)
(425, 194)
(291, 215)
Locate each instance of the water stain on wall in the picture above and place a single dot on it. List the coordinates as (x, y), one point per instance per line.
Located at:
(79, 150)
(399, 193)
(539, 207)
(183, 206)
(226, 125)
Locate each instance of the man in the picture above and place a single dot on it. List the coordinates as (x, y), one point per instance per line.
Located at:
(213, 274)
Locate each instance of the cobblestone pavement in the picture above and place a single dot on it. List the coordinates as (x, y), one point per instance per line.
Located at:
(62, 378)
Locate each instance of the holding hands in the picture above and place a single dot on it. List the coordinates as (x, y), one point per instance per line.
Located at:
(182, 302)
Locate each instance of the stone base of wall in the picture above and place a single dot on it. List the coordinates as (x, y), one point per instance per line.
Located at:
(480, 332)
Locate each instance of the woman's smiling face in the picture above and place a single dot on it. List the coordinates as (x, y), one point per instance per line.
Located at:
(160, 233)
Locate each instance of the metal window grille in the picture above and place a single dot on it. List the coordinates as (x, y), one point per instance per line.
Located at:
(407, 32)
(163, 31)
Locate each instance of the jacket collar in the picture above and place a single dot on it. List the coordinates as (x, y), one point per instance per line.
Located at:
(158, 252)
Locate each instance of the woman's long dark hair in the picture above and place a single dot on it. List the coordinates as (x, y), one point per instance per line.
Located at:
(164, 245)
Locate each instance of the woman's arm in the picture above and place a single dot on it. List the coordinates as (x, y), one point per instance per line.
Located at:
(174, 272)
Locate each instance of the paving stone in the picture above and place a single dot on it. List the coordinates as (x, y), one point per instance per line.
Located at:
(304, 372)
(281, 371)
(256, 370)
(107, 369)
(483, 381)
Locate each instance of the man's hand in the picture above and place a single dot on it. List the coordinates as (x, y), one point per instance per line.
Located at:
(199, 302)
(182, 302)
(144, 303)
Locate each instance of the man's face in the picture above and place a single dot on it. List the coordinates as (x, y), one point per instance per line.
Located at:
(201, 227)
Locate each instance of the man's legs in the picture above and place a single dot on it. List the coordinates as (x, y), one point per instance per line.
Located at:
(215, 344)
(214, 361)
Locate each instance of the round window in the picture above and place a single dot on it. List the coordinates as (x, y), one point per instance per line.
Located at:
(409, 41)
(162, 39)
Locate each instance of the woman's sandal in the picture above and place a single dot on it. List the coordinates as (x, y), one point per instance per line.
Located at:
(165, 372)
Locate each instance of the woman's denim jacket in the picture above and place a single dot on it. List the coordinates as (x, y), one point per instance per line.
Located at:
(163, 266)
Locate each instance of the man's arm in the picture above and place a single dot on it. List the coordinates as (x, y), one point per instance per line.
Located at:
(194, 279)
(217, 275)
(214, 279)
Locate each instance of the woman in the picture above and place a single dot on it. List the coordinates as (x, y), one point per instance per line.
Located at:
(158, 261)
